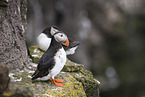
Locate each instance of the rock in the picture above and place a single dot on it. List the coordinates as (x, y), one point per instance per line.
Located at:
(4, 84)
(9, 93)
(13, 25)
(23, 92)
(19, 92)
(77, 81)
(3, 3)
(35, 53)
(89, 83)
(4, 78)
(72, 67)
(72, 87)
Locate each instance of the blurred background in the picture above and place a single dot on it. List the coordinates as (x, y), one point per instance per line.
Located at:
(112, 37)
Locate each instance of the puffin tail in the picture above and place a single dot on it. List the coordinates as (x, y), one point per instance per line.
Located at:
(33, 78)
(34, 75)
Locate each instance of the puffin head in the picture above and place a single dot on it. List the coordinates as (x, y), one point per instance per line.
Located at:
(61, 37)
(50, 31)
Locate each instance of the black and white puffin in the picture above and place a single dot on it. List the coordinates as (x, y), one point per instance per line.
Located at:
(53, 60)
(44, 40)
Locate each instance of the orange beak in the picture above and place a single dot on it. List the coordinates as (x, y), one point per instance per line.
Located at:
(66, 43)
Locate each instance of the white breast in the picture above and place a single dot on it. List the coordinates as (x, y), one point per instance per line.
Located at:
(60, 59)
(43, 42)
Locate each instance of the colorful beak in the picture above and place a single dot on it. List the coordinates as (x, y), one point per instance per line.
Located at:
(66, 43)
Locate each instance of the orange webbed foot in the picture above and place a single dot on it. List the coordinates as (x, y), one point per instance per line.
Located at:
(50, 79)
(57, 82)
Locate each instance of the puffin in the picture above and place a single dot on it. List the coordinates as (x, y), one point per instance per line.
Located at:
(53, 60)
(44, 40)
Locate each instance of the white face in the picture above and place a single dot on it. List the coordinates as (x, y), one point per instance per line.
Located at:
(60, 37)
(53, 31)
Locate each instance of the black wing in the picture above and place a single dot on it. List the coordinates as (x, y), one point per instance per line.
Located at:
(39, 74)
(43, 68)
(45, 65)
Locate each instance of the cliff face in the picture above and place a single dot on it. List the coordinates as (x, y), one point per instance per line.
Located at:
(13, 24)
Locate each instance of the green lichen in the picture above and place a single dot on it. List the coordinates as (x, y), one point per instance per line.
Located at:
(89, 83)
(67, 91)
(8, 93)
(44, 88)
(35, 53)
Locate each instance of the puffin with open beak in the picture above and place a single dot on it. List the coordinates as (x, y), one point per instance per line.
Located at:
(44, 40)
(53, 60)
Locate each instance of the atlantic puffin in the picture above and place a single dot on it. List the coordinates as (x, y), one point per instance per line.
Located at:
(44, 40)
(53, 60)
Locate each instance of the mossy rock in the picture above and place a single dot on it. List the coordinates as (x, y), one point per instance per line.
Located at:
(89, 83)
(77, 81)
(4, 78)
(72, 67)
(35, 53)
(72, 87)
(19, 92)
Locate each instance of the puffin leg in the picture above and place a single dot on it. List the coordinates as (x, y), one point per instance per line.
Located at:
(57, 80)
(58, 84)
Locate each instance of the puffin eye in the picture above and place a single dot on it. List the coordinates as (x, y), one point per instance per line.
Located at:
(61, 35)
